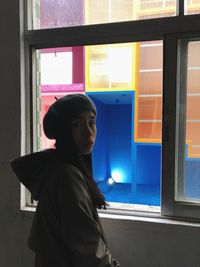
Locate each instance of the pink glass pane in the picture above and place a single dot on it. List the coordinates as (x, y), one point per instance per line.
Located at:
(54, 13)
(60, 72)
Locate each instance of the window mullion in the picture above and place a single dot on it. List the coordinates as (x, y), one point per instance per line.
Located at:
(153, 29)
(183, 207)
(181, 114)
(169, 125)
(174, 128)
(180, 8)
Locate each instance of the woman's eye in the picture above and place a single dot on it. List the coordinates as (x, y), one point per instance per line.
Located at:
(92, 122)
(76, 124)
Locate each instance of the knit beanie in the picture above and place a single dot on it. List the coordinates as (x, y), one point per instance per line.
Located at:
(62, 112)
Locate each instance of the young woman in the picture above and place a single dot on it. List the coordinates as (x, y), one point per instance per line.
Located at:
(66, 230)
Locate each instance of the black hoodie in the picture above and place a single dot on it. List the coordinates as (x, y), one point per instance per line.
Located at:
(66, 230)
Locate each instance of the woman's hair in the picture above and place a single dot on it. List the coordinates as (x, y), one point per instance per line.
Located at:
(57, 125)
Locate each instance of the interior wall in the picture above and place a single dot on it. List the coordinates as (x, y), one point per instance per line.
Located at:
(11, 231)
(134, 243)
(150, 244)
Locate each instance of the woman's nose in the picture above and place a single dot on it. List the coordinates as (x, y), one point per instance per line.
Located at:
(88, 129)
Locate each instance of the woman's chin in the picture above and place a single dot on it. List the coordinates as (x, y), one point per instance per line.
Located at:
(87, 151)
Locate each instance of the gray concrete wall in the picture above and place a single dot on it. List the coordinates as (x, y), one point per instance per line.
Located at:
(134, 243)
(145, 244)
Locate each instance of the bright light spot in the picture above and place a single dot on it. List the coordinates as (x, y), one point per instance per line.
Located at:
(118, 65)
(121, 64)
(110, 181)
(117, 175)
(56, 68)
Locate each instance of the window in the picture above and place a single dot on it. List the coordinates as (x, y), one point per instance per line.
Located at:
(120, 79)
(142, 74)
(180, 181)
(52, 14)
(192, 7)
(187, 184)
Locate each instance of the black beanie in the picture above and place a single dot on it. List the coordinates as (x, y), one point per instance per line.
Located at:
(63, 111)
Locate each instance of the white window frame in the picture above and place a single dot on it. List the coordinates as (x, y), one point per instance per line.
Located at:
(170, 30)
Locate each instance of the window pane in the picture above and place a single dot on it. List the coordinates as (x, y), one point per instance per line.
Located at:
(105, 67)
(192, 7)
(120, 80)
(60, 64)
(60, 70)
(148, 123)
(189, 188)
(53, 13)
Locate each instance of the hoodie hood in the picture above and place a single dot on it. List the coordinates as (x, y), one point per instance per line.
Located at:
(32, 170)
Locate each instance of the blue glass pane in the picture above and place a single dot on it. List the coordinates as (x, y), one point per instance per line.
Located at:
(126, 171)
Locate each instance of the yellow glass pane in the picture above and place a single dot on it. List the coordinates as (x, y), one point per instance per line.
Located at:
(96, 11)
(122, 10)
(192, 7)
(156, 8)
(110, 67)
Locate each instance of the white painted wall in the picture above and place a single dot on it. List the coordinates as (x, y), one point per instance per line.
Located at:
(134, 243)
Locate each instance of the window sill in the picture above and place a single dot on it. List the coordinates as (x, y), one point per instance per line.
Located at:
(144, 213)
(133, 215)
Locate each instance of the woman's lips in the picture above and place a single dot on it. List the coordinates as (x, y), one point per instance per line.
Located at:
(89, 144)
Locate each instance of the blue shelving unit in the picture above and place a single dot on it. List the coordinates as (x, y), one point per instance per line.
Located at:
(126, 172)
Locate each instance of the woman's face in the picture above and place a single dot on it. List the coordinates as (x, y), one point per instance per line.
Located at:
(84, 132)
